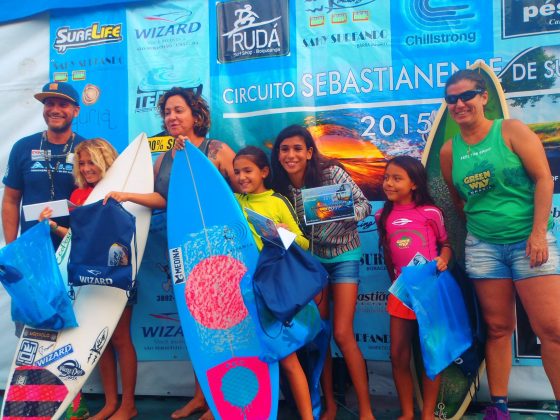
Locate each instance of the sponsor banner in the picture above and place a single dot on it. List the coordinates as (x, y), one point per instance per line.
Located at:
(239, 89)
(365, 76)
(371, 322)
(250, 30)
(167, 47)
(526, 345)
(156, 330)
(532, 72)
(511, 49)
(362, 136)
(338, 45)
(161, 142)
(447, 30)
(433, 40)
(529, 17)
(88, 50)
(531, 80)
(343, 26)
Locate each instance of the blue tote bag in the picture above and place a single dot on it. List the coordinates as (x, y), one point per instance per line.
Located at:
(30, 275)
(280, 339)
(286, 280)
(443, 322)
(103, 238)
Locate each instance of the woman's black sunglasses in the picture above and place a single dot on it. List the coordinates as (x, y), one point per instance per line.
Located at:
(464, 97)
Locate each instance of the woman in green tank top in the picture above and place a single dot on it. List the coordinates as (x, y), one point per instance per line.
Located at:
(500, 180)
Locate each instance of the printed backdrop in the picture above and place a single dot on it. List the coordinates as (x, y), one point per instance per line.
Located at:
(365, 76)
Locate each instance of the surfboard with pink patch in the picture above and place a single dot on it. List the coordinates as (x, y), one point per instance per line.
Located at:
(212, 257)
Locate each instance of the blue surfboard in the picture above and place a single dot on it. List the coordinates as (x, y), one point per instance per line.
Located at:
(212, 258)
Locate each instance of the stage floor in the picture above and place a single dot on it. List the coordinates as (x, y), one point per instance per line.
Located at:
(385, 408)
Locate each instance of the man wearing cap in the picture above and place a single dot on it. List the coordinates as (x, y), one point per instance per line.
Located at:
(40, 166)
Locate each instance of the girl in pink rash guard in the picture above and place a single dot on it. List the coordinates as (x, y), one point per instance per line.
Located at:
(411, 232)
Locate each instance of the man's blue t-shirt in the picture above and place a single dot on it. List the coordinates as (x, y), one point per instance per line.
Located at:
(28, 172)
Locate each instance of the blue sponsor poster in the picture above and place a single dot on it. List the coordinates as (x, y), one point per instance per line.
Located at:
(526, 45)
(532, 82)
(88, 50)
(434, 39)
(252, 69)
(526, 346)
(156, 329)
(371, 320)
(442, 30)
(167, 46)
(522, 18)
(344, 51)
(252, 30)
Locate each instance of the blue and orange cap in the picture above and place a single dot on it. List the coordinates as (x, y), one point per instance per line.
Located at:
(58, 90)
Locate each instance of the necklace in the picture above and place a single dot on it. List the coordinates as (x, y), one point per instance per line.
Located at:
(47, 155)
(65, 151)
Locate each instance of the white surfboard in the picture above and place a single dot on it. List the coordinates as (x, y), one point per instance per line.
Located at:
(50, 367)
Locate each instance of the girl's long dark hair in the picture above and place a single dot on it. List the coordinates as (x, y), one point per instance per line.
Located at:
(259, 158)
(315, 165)
(421, 195)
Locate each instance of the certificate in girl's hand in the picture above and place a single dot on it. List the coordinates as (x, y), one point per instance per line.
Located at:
(267, 230)
(59, 208)
(328, 203)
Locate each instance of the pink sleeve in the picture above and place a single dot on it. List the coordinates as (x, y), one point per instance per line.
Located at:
(435, 217)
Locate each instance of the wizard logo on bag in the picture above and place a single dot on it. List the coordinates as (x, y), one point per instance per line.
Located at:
(103, 236)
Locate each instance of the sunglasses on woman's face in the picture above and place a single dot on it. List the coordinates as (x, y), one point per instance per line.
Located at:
(464, 96)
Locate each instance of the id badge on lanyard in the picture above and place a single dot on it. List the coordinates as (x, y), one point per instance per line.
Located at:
(47, 156)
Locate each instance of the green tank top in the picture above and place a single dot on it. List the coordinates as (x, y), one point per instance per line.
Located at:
(498, 192)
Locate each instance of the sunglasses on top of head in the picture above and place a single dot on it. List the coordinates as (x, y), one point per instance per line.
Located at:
(464, 96)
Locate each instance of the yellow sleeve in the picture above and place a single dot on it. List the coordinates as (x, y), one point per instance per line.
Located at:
(256, 237)
(287, 218)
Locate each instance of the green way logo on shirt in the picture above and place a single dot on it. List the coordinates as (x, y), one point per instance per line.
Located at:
(480, 179)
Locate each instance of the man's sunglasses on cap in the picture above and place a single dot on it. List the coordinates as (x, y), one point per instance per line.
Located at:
(464, 96)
